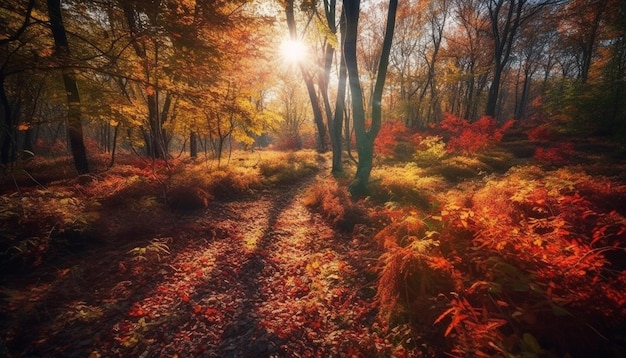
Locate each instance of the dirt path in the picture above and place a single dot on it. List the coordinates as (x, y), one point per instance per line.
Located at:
(262, 277)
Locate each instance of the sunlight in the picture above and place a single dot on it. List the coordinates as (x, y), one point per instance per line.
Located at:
(293, 51)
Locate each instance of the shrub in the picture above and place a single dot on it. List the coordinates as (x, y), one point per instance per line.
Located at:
(557, 155)
(540, 250)
(459, 167)
(334, 203)
(407, 184)
(186, 198)
(289, 168)
(541, 133)
(232, 182)
(469, 137)
(430, 151)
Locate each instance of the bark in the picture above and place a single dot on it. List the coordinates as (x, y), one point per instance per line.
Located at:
(74, 124)
(6, 136)
(322, 143)
(365, 137)
(335, 120)
(193, 145)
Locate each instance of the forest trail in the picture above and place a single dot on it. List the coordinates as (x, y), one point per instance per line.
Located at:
(259, 277)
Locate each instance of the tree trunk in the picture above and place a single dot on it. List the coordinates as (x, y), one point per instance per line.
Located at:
(351, 10)
(6, 136)
(193, 145)
(365, 137)
(322, 143)
(74, 124)
(337, 122)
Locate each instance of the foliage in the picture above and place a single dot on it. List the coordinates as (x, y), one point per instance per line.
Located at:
(537, 255)
(154, 250)
(289, 168)
(412, 266)
(395, 140)
(556, 155)
(541, 133)
(33, 223)
(469, 138)
(406, 184)
(334, 203)
(460, 167)
(516, 258)
(430, 151)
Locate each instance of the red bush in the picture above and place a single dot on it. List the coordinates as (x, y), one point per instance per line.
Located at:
(541, 133)
(472, 137)
(558, 154)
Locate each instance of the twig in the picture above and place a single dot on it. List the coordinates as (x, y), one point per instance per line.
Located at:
(35, 180)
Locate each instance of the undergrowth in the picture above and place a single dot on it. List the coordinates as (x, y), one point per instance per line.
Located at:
(508, 263)
(45, 211)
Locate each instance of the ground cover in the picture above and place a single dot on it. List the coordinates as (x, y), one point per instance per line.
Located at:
(491, 253)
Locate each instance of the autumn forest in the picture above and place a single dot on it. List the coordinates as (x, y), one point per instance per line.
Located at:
(313, 178)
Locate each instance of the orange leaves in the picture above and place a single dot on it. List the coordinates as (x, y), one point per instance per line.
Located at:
(138, 311)
(474, 327)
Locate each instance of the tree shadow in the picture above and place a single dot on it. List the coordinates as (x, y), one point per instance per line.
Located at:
(244, 336)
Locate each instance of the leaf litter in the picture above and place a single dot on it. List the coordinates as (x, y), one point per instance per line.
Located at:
(260, 277)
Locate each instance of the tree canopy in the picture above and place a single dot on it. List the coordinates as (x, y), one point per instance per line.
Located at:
(160, 77)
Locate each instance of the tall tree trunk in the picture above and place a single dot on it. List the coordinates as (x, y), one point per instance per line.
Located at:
(504, 29)
(193, 144)
(322, 143)
(335, 120)
(7, 139)
(74, 124)
(365, 137)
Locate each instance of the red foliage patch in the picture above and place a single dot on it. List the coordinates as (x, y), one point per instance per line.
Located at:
(541, 133)
(556, 155)
(467, 137)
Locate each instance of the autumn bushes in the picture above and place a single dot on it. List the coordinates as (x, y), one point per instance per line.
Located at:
(128, 200)
(487, 254)
(528, 263)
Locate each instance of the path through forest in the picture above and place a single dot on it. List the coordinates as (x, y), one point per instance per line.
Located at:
(259, 277)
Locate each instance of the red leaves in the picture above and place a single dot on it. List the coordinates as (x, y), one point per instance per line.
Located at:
(472, 137)
(138, 311)
(557, 155)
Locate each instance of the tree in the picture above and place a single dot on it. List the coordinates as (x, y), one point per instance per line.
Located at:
(10, 43)
(74, 122)
(365, 135)
(506, 18)
(308, 80)
(581, 26)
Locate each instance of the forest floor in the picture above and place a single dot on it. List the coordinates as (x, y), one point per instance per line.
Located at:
(256, 277)
(491, 254)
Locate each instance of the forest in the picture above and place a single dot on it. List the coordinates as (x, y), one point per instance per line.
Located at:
(313, 178)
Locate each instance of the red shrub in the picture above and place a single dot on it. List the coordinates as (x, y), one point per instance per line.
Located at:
(387, 139)
(558, 154)
(541, 133)
(472, 137)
